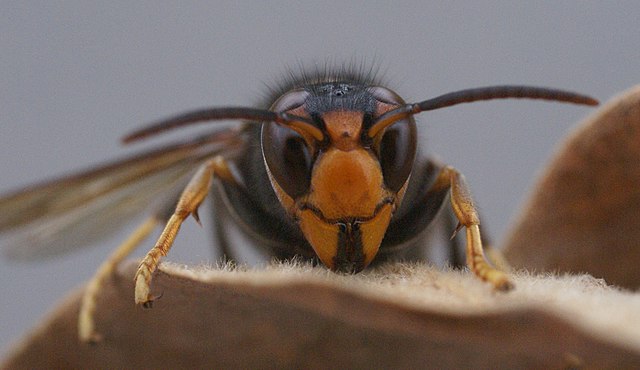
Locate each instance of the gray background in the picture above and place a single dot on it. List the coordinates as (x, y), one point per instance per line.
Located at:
(75, 76)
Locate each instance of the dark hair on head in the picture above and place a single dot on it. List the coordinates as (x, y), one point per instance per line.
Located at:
(358, 73)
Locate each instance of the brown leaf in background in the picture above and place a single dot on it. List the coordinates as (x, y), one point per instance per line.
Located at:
(584, 215)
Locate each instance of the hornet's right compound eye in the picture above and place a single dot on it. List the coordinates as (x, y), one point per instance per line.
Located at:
(289, 101)
(288, 159)
(286, 152)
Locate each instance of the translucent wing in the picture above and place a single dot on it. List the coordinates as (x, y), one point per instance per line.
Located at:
(78, 210)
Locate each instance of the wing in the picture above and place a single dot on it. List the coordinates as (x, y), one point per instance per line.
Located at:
(78, 210)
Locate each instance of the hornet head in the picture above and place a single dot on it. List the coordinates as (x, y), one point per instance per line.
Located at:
(338, 180)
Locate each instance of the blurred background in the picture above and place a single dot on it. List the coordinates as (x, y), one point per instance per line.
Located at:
(76, 76)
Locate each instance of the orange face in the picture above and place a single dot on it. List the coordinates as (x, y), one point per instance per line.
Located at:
(335, 189)
(347, 210)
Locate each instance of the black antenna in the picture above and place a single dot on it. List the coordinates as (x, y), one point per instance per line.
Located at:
(225, 113)
(479, 94)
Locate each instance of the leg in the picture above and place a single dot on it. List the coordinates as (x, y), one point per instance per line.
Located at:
(86, 324)
(467, 215)
(456, 257)
(188, 204)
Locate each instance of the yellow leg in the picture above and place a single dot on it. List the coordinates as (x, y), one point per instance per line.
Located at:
(86, 323)
(191, 198)
(468, 217)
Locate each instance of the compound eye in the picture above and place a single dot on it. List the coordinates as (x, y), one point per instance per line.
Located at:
(386, 96)
(397, 153)
(288, 158)
(290, 100)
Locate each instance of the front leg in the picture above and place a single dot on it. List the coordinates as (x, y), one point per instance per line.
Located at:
(191, 198)
(465, 211)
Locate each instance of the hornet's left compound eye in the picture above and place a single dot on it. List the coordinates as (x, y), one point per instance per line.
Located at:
(397, 153)
(397, 147)
(288, 159)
